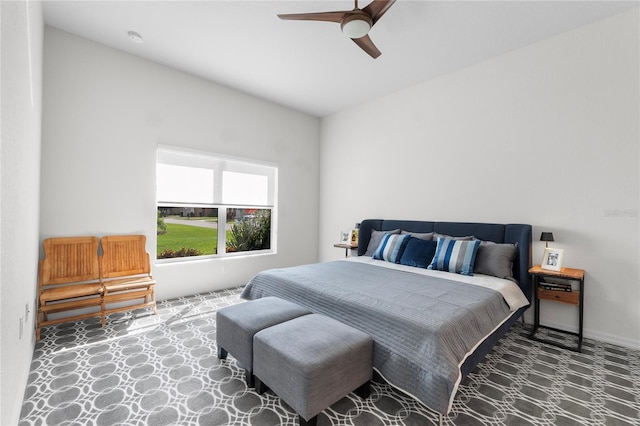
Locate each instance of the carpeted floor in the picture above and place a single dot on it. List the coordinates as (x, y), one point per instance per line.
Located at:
(143, 369)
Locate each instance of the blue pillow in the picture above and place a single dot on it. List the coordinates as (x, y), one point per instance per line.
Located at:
(391, 247)
(418, 252)
(456, 256)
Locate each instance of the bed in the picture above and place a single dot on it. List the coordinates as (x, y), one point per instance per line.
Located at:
(432, 320)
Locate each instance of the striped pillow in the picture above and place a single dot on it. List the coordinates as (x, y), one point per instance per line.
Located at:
(456, 256)
(391, 247)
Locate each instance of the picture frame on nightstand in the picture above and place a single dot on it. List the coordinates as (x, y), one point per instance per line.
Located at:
(353, 237)
(552, 259)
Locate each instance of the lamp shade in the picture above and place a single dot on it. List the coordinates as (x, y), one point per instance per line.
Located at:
(546, 236)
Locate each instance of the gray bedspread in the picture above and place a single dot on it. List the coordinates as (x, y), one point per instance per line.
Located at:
(423, 327)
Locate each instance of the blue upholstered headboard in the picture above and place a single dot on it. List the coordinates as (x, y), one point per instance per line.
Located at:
(498, 233)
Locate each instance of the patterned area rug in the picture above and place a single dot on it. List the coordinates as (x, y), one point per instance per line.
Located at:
(144, 369)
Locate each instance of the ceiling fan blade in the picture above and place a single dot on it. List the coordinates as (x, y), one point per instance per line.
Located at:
(367, 45)
(319, 16)
(377, 8)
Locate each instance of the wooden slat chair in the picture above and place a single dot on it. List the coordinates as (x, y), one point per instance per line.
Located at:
(68, 279)
(125, 273)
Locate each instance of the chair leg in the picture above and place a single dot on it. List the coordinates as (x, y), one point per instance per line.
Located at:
(38, 322)
(103, 309)
(153, 299)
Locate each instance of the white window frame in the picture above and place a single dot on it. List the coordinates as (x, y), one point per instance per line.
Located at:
(221, 163)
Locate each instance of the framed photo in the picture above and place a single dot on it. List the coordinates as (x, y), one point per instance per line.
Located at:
(552, 259)
(345, 237)
(354, 237)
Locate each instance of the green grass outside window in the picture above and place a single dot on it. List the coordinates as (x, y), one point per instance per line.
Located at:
(204, 240)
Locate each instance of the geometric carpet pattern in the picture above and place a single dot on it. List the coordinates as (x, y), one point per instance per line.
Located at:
(145, 369)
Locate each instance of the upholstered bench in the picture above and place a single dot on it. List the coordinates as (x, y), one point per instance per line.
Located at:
(311, 362)
(237, 324)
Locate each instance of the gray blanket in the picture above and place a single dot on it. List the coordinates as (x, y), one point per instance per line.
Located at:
(423, 327)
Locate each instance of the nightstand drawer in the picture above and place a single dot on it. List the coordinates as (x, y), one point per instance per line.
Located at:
(571, 297)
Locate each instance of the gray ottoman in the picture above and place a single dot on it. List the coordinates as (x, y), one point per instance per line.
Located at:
(237, 324)
(311, 362)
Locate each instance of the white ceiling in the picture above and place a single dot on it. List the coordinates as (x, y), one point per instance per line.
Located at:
(312, 66)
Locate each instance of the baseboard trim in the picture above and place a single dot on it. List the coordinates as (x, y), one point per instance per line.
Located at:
(600, 336)
(614, 340)
(23, 381)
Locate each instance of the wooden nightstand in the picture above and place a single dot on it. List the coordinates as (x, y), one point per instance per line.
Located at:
(542, 277)
(346, 248)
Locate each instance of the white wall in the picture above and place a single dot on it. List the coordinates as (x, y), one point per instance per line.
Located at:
(546, 135)
(21, 87)
(104, 114)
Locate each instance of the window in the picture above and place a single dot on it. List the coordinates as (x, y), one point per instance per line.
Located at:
(199, 194)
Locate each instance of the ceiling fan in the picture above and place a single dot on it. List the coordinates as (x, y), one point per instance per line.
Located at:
(355, 23)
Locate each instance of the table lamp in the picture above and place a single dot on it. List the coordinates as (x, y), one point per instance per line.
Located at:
(546, 237)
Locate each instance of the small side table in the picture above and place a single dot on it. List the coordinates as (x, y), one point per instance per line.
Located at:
(346, 247)
(574, 297)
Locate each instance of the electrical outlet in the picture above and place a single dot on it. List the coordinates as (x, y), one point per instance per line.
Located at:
(21, 328)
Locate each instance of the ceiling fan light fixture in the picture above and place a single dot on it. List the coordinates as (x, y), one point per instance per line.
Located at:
(356, 26)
